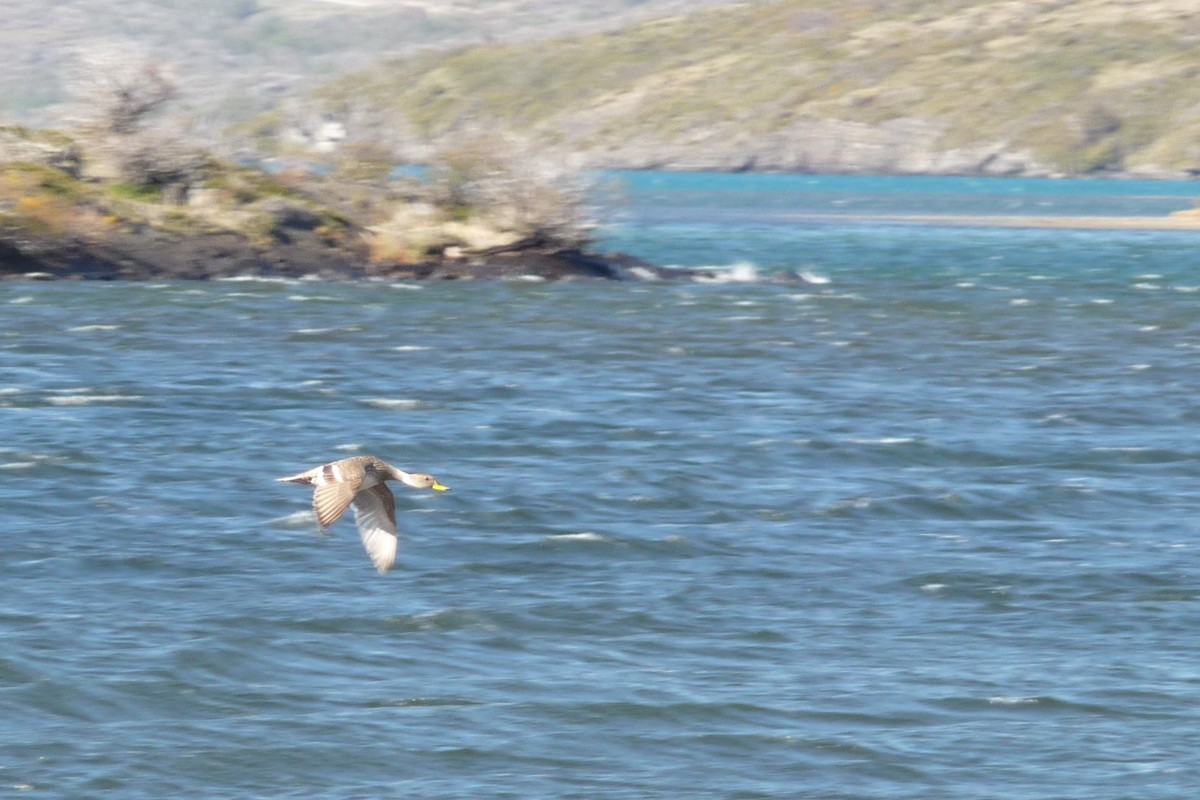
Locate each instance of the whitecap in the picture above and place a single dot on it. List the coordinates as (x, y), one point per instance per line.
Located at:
(92, 328)
(585, 536)
(16, 301)
(396, 404)
(885, 440)
(348, 448)
(255, 279)
(740, 272)
(1004, 700)
(410, 348)
(813, 278)
(89, 399)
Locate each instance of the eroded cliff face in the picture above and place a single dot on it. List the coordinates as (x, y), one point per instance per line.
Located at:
(908, 146)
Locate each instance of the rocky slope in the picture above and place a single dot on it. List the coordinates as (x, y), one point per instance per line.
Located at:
(952, 86)
(77, 210)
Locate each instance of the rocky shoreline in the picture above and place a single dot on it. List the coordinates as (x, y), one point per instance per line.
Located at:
(154, 256)
(217, 256)
(119, 209)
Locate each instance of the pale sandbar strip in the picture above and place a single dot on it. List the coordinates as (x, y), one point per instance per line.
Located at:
(1182, 222)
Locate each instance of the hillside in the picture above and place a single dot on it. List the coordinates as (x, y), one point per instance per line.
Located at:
(941, 86)
(235, 58)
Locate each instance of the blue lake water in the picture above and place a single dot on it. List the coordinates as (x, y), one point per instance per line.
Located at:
(923, 527)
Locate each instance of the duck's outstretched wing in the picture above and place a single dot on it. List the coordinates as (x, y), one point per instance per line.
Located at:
(375, 516)
(330, 501)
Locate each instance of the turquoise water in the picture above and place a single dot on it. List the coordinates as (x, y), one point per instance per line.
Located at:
(923, 527)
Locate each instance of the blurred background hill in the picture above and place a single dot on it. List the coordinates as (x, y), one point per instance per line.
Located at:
(233, 58)
(935, 86)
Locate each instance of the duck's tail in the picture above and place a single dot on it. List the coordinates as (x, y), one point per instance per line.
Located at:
(303, 477)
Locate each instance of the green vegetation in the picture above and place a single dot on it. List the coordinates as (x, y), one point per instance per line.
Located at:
(484, 196)
(1083, 86)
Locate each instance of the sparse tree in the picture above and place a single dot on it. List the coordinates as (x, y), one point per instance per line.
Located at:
(130, 99)
(120, 93)
(537, 197)
(118, 88)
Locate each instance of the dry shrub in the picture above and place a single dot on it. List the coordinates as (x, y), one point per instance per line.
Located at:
(412, 235)
(510, 186)
(157, 161)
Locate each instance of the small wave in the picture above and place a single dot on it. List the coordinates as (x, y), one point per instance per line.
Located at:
(91, 399)
(643, 274)
(410, 348)
(585, 536)
(813, 278)
(323, 331)
(1006, 700)
(397, 404)
(447, 619)
(93, 328)
(740, 272)
(256, 279)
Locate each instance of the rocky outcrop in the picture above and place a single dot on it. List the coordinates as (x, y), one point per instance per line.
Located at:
(158, 255)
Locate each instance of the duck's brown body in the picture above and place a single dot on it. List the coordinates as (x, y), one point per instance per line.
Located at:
(360, 481)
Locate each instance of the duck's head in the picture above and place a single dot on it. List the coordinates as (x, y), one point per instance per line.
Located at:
(419, 480)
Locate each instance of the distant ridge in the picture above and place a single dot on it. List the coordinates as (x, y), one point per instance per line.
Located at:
(985, 87)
